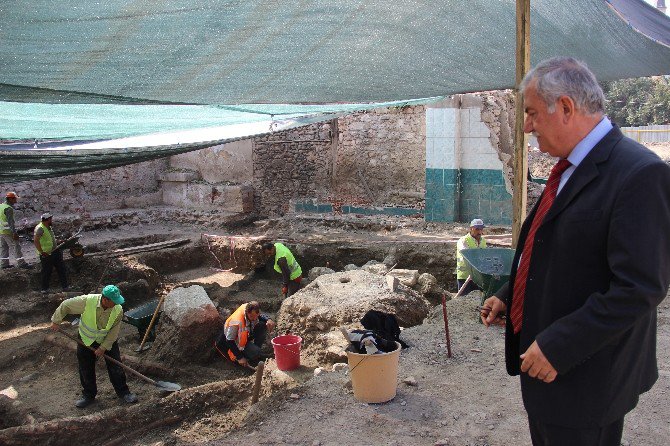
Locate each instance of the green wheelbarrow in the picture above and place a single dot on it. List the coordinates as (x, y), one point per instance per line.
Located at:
(140, 318)
(489, 268)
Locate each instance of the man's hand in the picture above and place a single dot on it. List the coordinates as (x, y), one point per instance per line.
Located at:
(270, 325)
(242, 361)
(536, 364)
(492, 312)
(284, 290)
(99, 352)
(15, 236)
(55, 326)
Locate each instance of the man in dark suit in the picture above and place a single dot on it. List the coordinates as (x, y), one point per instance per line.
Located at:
(592, 265)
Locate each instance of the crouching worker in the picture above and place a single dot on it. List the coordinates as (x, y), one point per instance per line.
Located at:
(244, 325)
(285, 264)
(99, 328)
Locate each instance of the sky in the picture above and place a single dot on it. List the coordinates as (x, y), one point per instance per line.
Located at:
(653, 3)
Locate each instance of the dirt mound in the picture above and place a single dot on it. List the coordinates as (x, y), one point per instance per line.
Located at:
(341, 299)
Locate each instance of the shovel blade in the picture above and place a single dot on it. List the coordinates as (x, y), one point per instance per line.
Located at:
(168, 386)
(145, 347)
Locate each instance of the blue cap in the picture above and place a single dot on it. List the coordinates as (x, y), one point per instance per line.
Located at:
(112, 293)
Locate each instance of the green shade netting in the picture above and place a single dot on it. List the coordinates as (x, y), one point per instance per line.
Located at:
(287, 51)
(78, 70)
(155, 131)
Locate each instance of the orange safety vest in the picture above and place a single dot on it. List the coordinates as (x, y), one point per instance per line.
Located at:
(238, 318)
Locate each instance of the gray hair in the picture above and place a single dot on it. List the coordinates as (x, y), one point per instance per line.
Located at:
(565, 76)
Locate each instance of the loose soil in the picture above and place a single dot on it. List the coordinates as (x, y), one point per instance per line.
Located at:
(464, 400)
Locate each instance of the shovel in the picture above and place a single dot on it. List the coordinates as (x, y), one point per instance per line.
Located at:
(162, 385)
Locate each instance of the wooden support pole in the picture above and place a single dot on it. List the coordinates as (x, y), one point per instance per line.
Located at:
(446, 324)
(520, 192)
(257, 383)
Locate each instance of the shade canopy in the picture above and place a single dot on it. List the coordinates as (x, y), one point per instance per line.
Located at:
(78, 70)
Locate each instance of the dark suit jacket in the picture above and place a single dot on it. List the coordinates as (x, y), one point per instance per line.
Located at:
(599, 268)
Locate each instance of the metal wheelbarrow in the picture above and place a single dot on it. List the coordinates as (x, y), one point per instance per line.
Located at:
(489, 268)
(140, 318)
(72, 243)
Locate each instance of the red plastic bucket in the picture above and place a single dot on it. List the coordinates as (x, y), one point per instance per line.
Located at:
(287, 351)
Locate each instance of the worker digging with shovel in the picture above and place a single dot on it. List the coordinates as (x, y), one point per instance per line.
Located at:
(99, 328)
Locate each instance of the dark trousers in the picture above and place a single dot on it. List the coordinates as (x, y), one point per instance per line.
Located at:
(252, 351)
(293, 286)
(55, 259)
(472, 286)
(87, 359)
(544, 434)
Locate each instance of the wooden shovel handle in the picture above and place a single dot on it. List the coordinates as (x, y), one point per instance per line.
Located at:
(119, 363)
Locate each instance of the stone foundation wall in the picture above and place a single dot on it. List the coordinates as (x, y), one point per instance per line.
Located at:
(369, 162)
(290, 165)
(132, 186)
(381, 158)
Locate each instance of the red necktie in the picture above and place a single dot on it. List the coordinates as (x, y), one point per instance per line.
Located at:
(522, 272)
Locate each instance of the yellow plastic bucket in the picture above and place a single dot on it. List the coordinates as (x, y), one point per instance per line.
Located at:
(374, 378)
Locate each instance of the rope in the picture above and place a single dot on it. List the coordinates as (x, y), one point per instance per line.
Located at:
(231, 242)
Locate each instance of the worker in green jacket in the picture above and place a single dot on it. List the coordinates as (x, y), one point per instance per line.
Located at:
(99, 328)
(286, 264)
(9, 237)
(472, 240)
(50, 257)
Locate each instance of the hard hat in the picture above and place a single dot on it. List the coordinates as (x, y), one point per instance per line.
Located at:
(46, 216)
(11, 195)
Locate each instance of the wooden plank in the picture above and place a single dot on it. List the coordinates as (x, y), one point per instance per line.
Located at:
(520, 192)
(142, 248)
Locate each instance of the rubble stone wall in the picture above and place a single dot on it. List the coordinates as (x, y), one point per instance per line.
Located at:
(368, 162)
(289, 165)
(132, 186)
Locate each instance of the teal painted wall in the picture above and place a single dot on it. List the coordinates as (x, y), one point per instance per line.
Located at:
(482, 195)
(348, 209)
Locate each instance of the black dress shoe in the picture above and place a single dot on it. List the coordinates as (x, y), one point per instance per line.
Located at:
(25, 266)
(84, 401)
(129, 398)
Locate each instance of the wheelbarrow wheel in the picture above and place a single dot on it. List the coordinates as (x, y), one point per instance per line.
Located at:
(77, 250)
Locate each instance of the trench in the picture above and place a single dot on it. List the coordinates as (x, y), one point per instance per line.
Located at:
(40, 378)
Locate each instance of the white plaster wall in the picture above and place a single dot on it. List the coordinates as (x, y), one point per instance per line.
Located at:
(441, 138)
(458, 139)
(226, 163)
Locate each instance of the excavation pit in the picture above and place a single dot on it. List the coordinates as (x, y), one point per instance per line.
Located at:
(38, 368)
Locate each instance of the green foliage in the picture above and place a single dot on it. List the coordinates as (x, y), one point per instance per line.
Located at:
(640, 101)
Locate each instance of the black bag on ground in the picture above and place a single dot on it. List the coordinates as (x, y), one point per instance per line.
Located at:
(383, 324)
(359, 336)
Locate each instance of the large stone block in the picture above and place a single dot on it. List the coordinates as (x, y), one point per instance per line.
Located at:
(188, 327)
(405, 276)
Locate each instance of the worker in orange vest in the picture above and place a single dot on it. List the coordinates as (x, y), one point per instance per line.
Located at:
(244, 325)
